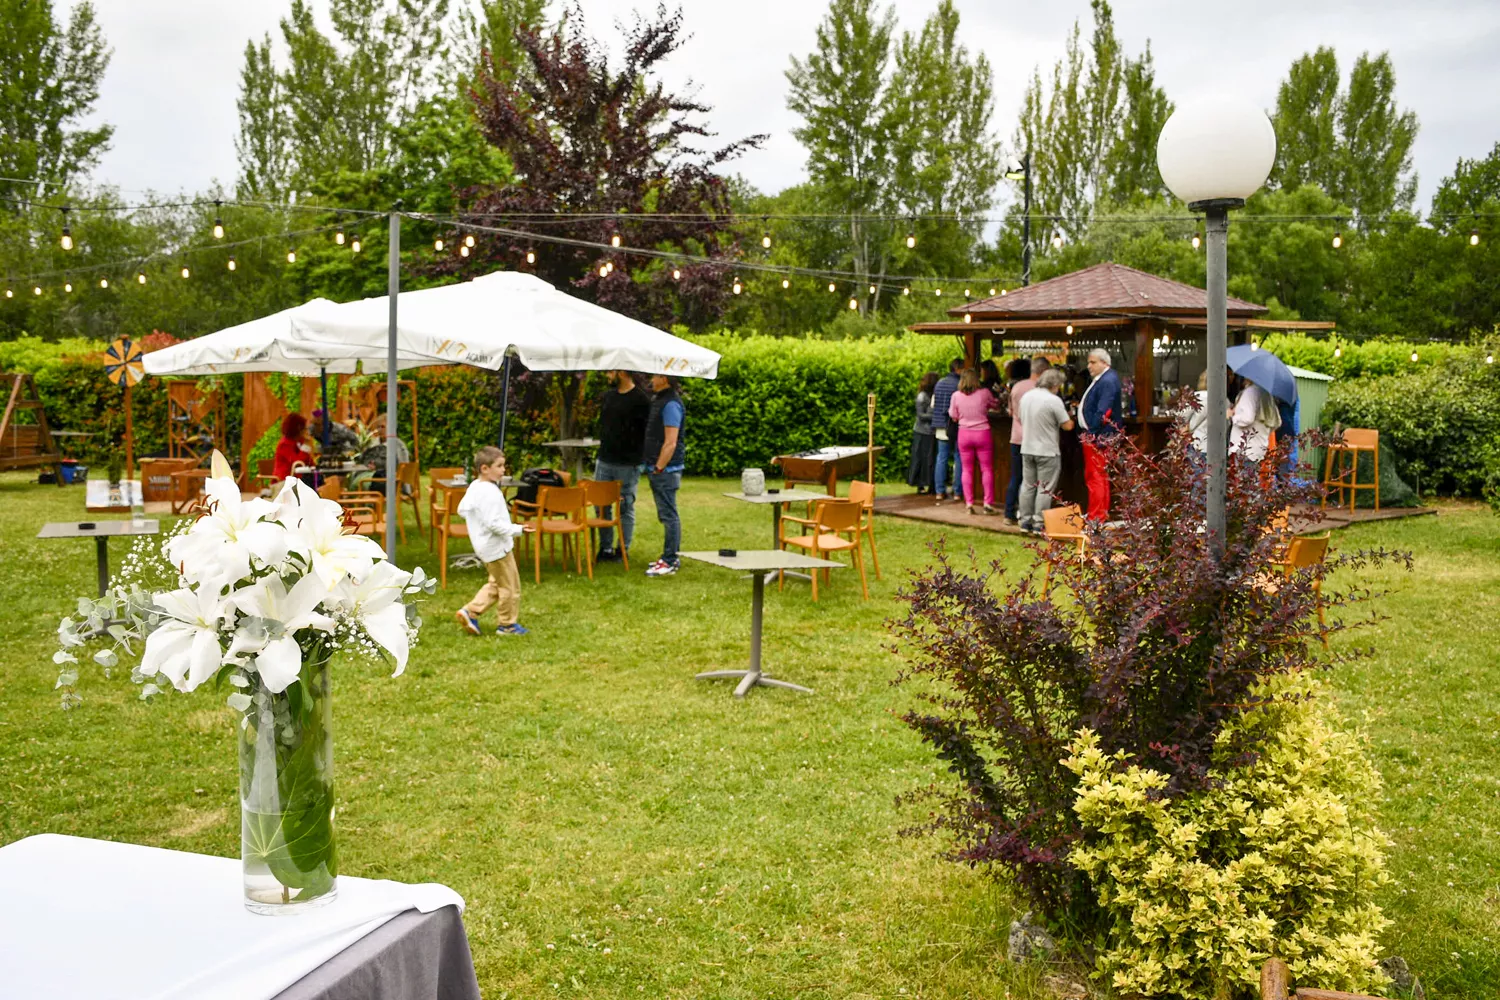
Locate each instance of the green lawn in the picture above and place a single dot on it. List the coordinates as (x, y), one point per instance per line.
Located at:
(619, 829)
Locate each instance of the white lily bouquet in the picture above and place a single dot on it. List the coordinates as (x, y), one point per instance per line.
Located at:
(268, 592)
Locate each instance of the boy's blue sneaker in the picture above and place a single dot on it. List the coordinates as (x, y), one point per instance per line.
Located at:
(516, 629)
(468, 621)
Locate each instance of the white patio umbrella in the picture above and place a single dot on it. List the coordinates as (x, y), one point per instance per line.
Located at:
(508, 313)
(267, 345)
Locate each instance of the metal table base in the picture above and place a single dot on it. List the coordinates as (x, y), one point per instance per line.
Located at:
(753, 677)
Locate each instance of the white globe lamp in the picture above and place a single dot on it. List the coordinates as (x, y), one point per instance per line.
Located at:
(1214, 153)
(1216, 149)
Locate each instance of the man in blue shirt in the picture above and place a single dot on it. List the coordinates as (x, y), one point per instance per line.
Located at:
(947, 437)
(665, 451)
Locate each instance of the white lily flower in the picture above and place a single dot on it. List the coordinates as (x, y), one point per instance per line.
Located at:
(374, 599)
(223, 541)
(185, 647)
(280, 660)
(335, 554)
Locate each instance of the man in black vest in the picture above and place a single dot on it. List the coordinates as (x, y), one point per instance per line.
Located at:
(622, 437)
(665, 449)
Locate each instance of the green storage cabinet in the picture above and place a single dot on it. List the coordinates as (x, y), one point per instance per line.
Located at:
(1312, 393)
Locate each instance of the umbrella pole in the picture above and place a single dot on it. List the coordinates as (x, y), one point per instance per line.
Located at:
(327, 418)
(393, 282)
(504, 399)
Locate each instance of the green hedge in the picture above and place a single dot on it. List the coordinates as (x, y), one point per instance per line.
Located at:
(1443, 423)
(1372, 357)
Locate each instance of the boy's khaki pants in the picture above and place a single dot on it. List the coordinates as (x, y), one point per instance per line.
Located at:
(501, 591)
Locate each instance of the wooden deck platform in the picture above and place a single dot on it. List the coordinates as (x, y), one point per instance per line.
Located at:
(925, 508)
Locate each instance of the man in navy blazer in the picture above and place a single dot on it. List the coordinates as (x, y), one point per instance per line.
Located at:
(1098, 420)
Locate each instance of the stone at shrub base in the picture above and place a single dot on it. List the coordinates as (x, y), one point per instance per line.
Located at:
(1028, 941)
(1403, 983)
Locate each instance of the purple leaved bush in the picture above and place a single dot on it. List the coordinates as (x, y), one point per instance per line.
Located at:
(1148, 639)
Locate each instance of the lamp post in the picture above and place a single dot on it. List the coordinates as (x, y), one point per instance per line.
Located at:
(1213, 154)
(1020, 170)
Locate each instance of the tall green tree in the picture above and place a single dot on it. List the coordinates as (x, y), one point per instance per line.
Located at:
(1354, 143)
(839, 90)
(49, 81)
(1091, 134)
(336, 103)
(1472, 189)
(492, 29)
(945, 157)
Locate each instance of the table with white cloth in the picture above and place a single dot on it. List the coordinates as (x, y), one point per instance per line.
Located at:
(106, 921)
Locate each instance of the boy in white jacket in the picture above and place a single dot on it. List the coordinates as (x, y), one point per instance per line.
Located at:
(493, 537)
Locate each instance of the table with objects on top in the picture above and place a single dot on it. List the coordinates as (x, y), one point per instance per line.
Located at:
(579, 446)
(101, 532)
(776, 499)
(758, 563)
(826, 465)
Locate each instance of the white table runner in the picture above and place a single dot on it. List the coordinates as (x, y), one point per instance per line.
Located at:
(99, 920)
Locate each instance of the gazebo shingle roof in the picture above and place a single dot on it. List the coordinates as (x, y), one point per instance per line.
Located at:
(1103, 289)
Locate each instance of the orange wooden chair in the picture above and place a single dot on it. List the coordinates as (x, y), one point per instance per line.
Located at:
(835, 528)
(436, 497)
(561, 513)
(332, 489)
(604, 494)
(1063, 524)
(364, 512)
(1341, 478)
(447, 524)
(265, 474)
(524, 510)
(863, 493)
(1303, 553)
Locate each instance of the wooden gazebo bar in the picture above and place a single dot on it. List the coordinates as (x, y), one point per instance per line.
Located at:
(1153, 328)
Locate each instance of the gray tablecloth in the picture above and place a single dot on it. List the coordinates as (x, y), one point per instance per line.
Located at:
(416, 956)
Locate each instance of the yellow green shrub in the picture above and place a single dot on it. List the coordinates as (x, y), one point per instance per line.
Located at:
(1280, 856)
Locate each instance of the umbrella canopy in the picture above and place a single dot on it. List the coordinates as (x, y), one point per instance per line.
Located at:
(1264, 369)
(266, 345)
(478, 322)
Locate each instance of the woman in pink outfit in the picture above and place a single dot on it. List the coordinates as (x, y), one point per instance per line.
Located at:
(970, 411)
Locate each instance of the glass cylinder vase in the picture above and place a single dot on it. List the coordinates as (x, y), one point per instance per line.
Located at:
(287, 842)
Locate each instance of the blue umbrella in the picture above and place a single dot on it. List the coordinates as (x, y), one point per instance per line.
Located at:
(1264, 369)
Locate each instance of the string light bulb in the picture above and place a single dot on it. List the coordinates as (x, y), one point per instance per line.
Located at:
(603, 270)
(1002, 293)
(231, 264)
(140, 277)
(10, 294)
(853, 302)
(911, 241)
(36, 289)
(1057, 240)
(968, 294)
(1338, 352)
(676, 274)
(531, 256)
(1489, 359)
(1413, 356)
(786, 282)
(469, 240)
(906, 290)
(356, 245)
(463, 250)
(67, 286)
(1197, 241)
(66, 240)
(872, 289)
(103, 282)
(968, 318)
(1070, 329)
(765, 241)
(338, 237)
(185, 272)
(1473, 237)
(937, 292)
(218, 221)
(992, 292)
(609, 266)
(437, 245)
(738, 287)
(291, 256)
(614, 239)
(832, 287)
(1338, 240)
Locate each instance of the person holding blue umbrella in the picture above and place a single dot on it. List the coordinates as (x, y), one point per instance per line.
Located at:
(1257, 412)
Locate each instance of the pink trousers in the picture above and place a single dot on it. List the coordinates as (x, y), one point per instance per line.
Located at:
(976, 446)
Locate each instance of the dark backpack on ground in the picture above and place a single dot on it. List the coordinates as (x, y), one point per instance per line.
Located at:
(533, 479)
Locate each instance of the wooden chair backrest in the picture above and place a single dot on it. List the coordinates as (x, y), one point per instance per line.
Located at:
(331, 489)
(560, 500)
(1361, 437)
(862, 493)
(451, 500)
(1305, 552)
(1062, 522)
(408, 474)
(444, 472)
(838, 515)
(265, 466)
(598, 493)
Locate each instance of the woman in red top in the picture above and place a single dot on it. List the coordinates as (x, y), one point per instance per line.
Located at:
(290, 449)
(970, 410)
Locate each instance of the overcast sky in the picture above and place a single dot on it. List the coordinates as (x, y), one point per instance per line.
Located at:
(171, 87)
